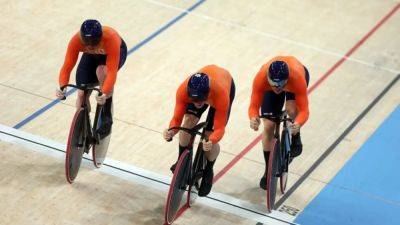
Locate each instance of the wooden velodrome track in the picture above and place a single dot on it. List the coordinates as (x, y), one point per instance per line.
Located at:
(350, 48)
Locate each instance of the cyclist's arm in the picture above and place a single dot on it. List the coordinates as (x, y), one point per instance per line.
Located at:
(70, 60)
(220, 119)
(257, 94)
(113, 55)
(302, 107)
(300, 90)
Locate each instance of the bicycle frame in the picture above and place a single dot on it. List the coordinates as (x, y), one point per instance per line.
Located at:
(193, 132)
(286, 133)
(87, 127)
(189, 174)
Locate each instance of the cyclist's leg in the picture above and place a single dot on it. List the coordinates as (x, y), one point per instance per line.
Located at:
(85, 75)
(190, 119)
(290, 105)
(101, 72)
(296, 146)
(271, 107)
(212, 155)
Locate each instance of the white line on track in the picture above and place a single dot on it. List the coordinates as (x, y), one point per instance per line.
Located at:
(274, 36)
(145, 177)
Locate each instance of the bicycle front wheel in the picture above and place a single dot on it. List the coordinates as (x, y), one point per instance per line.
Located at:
(175, 204)
(75, 146)
(99, 150)
(272, 176)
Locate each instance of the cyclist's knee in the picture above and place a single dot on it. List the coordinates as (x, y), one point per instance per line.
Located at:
(291, 108)
(189, 121)
(101, 73)
(81, 94)
(269, 128)
(79, 99)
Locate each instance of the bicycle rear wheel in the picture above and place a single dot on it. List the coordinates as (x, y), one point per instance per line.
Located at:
(99, 150)
(272, 176)
(75, 146)
(199, 164)
(177, 189)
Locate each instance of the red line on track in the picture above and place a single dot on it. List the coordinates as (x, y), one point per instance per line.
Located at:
(237, 158)
(311, 89)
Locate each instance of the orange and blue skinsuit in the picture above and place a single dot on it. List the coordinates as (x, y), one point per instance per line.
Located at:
(220, 98)
(297, 84)
(109, 46)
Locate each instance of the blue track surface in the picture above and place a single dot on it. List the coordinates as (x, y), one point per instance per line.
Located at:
(366, 191)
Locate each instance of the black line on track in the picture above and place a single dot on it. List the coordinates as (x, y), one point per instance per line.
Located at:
(337, 142)
(152, 179)
(298, 182)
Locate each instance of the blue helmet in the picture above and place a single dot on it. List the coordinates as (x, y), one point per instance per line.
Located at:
(198, 87)
(91, 32)
(278, 74)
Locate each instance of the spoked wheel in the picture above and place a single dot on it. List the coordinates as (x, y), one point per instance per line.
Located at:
(75, 146)
(199, 164)
(175, 205)
(99, 151)
(272, 176)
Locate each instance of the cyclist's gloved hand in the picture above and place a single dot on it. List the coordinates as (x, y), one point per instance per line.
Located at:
(207, 145)
(255, 123)
(168, 134)
(101, 99)
(60, 94)
(295, 128)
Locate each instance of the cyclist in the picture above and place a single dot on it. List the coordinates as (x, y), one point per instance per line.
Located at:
(283, 77)
(211, 86)
(104, 53)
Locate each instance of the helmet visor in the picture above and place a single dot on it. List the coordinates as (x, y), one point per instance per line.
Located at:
(277, 84)
(90, 41)
(196, 100)
(197, 97)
